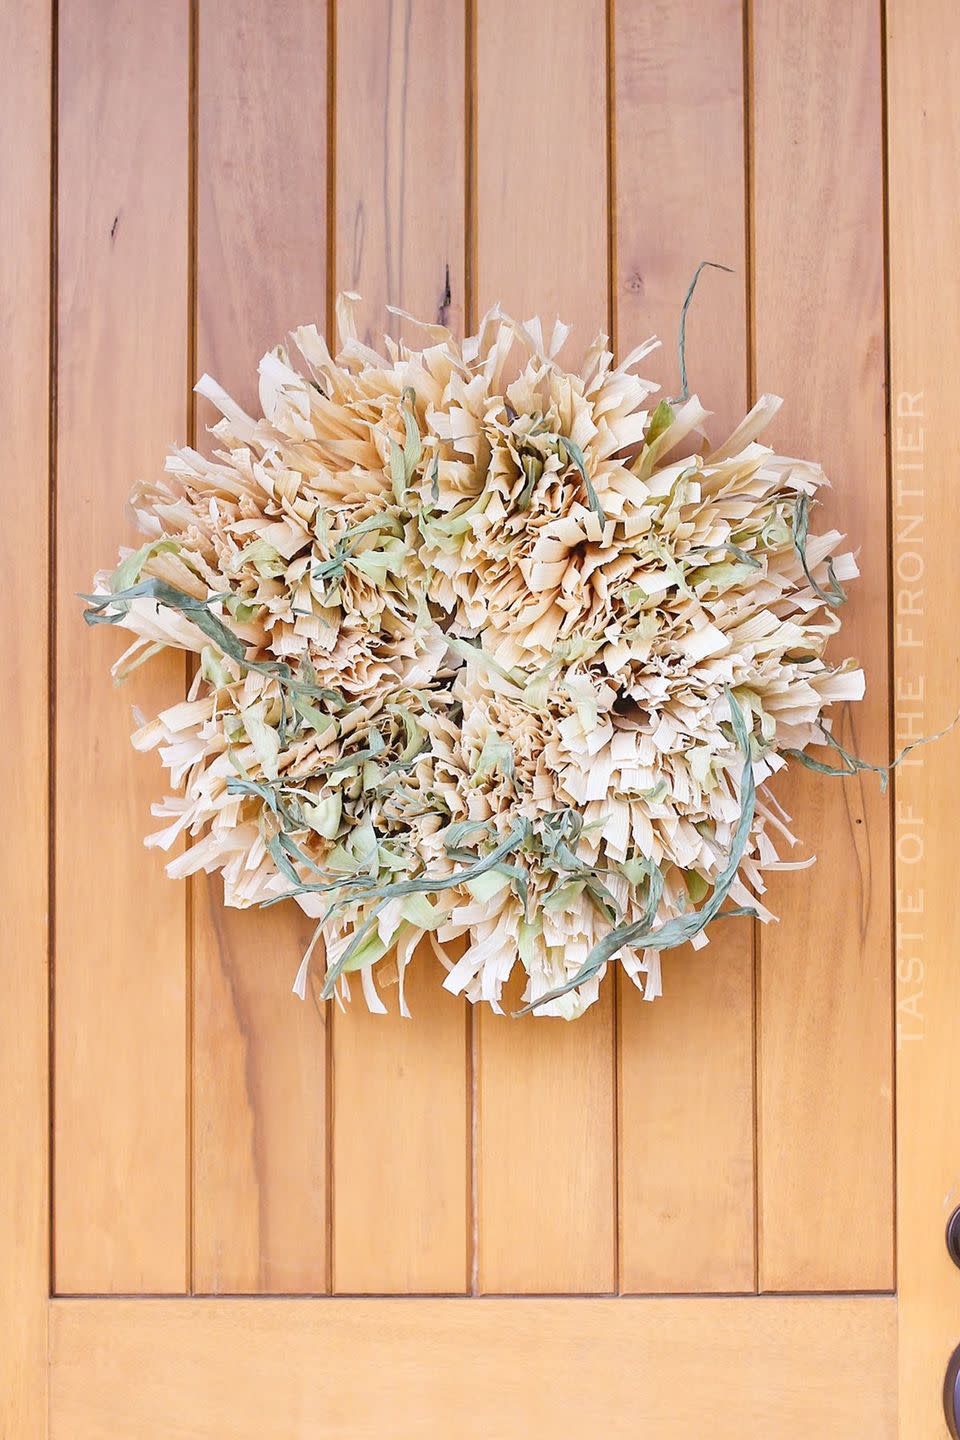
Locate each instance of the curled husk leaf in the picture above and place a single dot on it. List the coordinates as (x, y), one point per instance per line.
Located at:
(488, 652)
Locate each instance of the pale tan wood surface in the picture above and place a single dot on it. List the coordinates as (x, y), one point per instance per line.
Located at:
(401, 1174)
(686, 1062)
(545, 1195)
(25, 110)
(541, 208)
(260, 1089)
(923, 54)
(260, 1177)
(262, 181)
(824, 1018)
(401, 110)
(120, 1147)
(401, 1163)
(695, 210)
(431, 1369)
(546, 1146)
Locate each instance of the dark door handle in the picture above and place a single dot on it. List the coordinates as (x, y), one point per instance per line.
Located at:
(951, 1395)
(953, 1237)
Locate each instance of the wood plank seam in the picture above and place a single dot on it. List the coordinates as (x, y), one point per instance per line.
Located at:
(51, 560)
(193, 132)
(615, 978)
(751, 396)
(330, 318)
(470, 321)
(891, 617)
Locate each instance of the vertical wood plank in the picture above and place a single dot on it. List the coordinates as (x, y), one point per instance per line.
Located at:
(120, 1026)
(825, 1061)
(400, 1138)
(545, 1089)
(26, 67)
(923, 128)
(686, 1062)
(260, 1159)
(400, 1157)
(679, 106)
(400, 162)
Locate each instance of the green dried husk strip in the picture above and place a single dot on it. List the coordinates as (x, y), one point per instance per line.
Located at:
(660, 420)
(682, 337)
(642, 934)
(344, 549)
(198, 612)
(128, 571)
(532, 471)
(853, 765)
(836, 595)
(424, 884)
(576, 455)
(403, 463)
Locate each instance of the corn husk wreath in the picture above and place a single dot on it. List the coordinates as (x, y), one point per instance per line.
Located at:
(488, 652)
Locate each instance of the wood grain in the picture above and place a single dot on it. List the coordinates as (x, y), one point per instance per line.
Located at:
(435, 1368)
(686, 1062)
(400, 1133)
(400, 162)
(260, 1101)
(401, 1171)
(679, 97)
(259, 1204)
(923, 52)
(121, 1001)
(545, 1090)
(824, 1059)
(541, 163)
(26, 66)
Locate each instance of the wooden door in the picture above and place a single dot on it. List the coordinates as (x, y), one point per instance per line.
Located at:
(705, 1215)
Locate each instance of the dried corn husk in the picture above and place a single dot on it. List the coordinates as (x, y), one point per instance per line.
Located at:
(489, 651)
